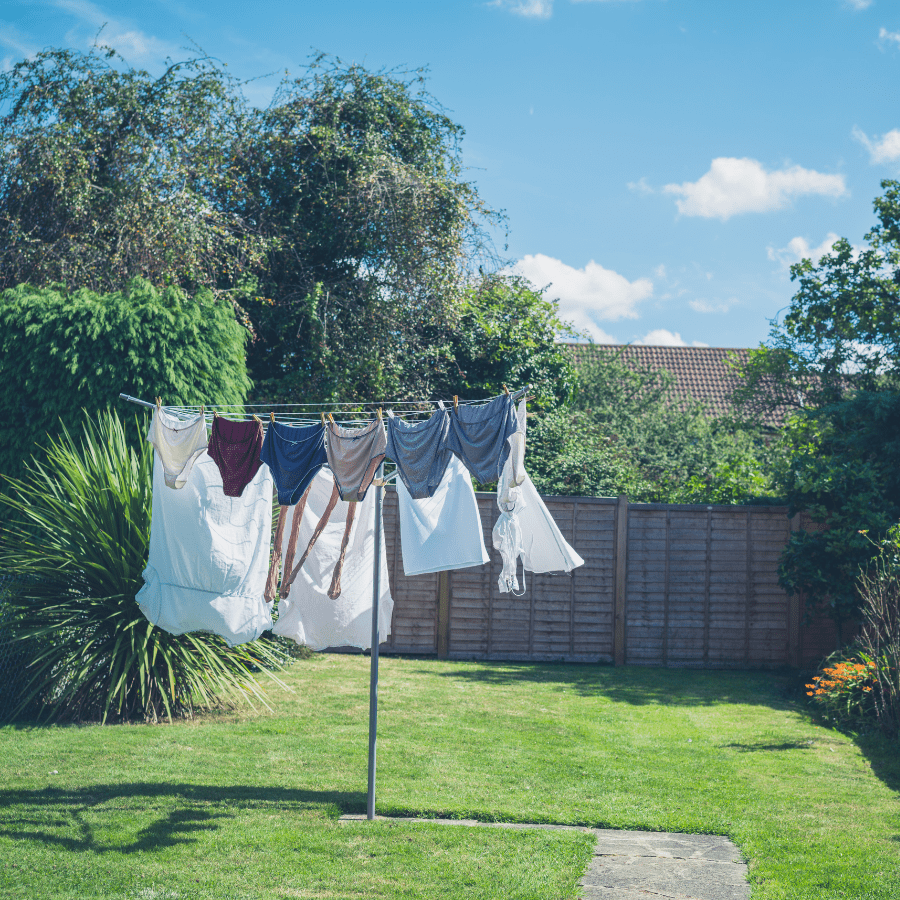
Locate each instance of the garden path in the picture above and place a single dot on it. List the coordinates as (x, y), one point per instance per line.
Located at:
(644, 865)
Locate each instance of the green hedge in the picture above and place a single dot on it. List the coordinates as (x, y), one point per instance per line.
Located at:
(64, 351)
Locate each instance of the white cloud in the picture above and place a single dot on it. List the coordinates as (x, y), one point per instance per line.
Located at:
(640, 186)
(587, 295)
(798, 248)
(733, 186)
(886, 36)
(531, 9)
(132, 43)
(859, 4)
(881, 150)
(661, 337)
(705, 306)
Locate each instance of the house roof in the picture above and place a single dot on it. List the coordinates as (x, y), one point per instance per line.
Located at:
(702, 374)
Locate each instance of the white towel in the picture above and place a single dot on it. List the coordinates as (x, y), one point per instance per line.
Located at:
(308, 615)
(443, 531)
(209, 555)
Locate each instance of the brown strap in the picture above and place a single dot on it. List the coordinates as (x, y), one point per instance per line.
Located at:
(332, 502)
(335, 590)
(369, 477)
(272, 578)
(292, 542)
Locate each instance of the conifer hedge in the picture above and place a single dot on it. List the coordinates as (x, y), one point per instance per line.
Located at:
(64, 351)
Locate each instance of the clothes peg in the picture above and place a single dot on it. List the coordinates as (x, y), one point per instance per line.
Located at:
(202, 409)
(323, 418)
(256, 418)
(158, 402)
(506, 390)
(216, 415)
(331, 418)
(455, 403)
(441, 406)
(379, 413)
(272, 417)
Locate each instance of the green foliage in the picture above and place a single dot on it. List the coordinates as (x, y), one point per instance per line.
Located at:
(682, 454)
(356, 179)
(835, 360)
(843, 690)
(879, 640)
(107, 173)
(63, 351)
(80, 531)
(569, 455)
(506, 333)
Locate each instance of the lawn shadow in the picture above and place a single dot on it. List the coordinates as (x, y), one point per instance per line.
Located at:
(637, 685)
(192, 808)
(762, 746)
(883, 755)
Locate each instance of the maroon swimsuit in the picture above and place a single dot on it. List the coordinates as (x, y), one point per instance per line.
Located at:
(234, 447)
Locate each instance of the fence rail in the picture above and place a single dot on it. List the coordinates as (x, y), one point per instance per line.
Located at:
(662, 585)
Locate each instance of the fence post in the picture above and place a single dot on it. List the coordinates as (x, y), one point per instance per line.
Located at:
(794, 608)
(443, 618)
(620, 576)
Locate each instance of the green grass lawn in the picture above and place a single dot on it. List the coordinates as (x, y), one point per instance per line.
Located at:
(245, 805)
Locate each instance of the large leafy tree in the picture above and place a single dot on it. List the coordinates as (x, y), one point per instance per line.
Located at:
(107, 173)
(356, 179)
(834, 360)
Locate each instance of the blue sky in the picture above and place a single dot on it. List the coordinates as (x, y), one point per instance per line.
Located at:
(661, 162)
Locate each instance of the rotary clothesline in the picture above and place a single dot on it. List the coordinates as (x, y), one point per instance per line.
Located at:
(309, 414)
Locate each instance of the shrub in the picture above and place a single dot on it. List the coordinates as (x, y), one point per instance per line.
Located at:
(63, 351)
(879, 641)
(80, 530)
(843, 691)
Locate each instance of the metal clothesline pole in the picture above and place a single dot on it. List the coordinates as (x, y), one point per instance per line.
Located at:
(376, 640)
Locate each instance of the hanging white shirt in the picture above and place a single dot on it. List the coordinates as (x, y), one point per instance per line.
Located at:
(209, 555)
(443, 531)
(308, 616)
(525, 527)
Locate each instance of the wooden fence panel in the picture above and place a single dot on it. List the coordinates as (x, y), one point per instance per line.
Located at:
(699, 588)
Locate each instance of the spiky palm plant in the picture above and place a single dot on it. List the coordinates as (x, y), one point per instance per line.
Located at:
(78, 524)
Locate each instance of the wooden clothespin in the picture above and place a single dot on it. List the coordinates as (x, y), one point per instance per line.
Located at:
(379, 413)
(455, 402)
(216, 415)
(202, 409)
(506, 390)
(331, 418)
(272, 417)
(323, 418)
(158, 402)
(256, 418)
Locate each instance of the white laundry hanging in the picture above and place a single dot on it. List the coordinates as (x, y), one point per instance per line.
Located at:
(307, 615)
(525, 528)
(443, 531)
(208, 555)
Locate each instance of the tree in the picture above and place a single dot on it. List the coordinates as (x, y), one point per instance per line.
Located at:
(107, 173)
(356, 180)
(63, 351)
(684, 455)
(504, 333)
(835, 360)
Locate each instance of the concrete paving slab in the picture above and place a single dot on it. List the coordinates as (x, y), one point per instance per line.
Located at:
(641, 865)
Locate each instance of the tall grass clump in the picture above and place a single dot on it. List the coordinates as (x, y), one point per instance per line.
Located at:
(879, 641)
(77, 525)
